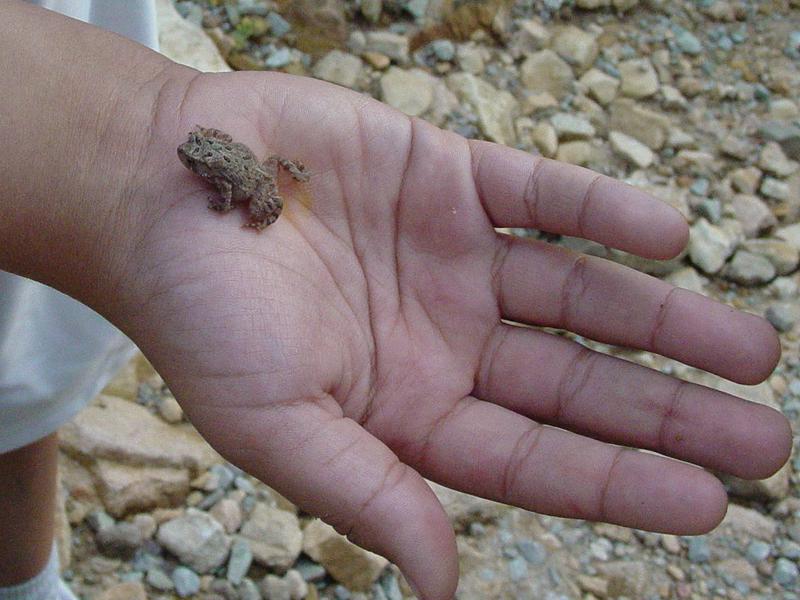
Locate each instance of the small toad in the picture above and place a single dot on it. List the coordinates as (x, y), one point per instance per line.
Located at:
(238, 175)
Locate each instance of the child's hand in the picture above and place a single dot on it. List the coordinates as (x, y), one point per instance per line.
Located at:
(359, 343)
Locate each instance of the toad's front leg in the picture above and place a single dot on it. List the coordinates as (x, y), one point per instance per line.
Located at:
(223, 202)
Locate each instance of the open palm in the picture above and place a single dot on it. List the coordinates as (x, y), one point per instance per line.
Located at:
(365, 340)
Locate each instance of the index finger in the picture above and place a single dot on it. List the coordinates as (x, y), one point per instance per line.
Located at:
(518, 189)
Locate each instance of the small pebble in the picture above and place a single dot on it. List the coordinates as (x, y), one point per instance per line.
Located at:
(187, 582)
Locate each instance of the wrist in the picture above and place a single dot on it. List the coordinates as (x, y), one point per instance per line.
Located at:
(77, 174)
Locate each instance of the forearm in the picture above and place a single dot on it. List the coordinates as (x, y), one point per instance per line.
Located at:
(76, 108)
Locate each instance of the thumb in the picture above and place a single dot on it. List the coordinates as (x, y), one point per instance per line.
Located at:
(333, 468)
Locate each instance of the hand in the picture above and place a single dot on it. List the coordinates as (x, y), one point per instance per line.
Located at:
(364, 341)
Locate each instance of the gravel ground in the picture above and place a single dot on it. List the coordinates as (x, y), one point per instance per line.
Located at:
(693, 101)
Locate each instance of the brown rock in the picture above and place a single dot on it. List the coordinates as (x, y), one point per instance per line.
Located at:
(125, 488)
(274, 535)
(320, 25)
(125, 383)
(113, 429)
(131, 590)
(647, 126)
(353, 567)
(228, 513)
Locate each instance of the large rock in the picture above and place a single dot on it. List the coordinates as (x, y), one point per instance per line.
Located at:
(274, 535)
(126, 488)
(196, 539)
(408, 91)
(496, 109)
(186, 43)
(353, 567)
(114, 429)
(545, 71)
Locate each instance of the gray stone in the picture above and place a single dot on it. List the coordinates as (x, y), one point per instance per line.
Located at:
(754, 215)
(576, 46)
(545, 138)
(749, 269)
(710, 246)
(602, 87)
(783, 256)
(785, 573)
(298, 588)
(688, 279)
(579, 153)
(159, 580)
(649, 127)
(532, 551)
(99, 520)
(408, 91)
(443, 49)
(371, 9)
(347, 563)
(572, 127)
(275, 588)
(196, 539)
(339, 67)
(274, 535)
(470, 58)
(743, 521)
(790, 233)
(774, 161)
(545, 71)
(120, 540)
(775, 189)
(393, 45)
(699, 550)
(186, 581)
(687, 41)
(279, 58)
(758, 551)
(782, 315)
(310, 571)
(639, 79)
(631, 149)
(278, 26)
(248, 590)
(786, 133)
(239, 561)
(496, 109)
(746, 180)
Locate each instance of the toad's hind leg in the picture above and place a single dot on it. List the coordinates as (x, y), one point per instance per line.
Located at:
(265, 205)
(294, 167)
